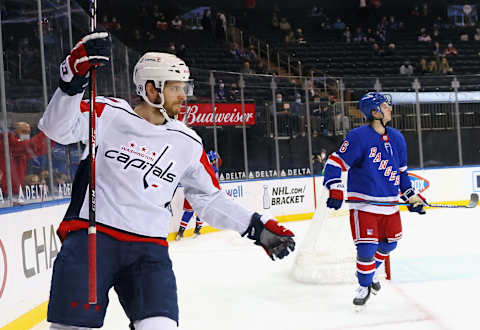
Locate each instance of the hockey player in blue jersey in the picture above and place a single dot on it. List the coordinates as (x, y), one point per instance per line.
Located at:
(375, 156)
(215, 162)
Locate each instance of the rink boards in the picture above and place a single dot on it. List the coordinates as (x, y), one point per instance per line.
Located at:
(28, 244)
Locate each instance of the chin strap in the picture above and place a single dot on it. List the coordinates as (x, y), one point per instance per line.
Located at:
(159, 107)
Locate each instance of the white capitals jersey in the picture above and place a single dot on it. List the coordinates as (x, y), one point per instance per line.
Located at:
(138, 168)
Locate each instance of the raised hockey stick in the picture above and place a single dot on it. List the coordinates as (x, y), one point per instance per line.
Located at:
(473, 202)
(92, 227)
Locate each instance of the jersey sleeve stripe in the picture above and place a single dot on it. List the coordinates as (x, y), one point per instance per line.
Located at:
(403, 169)
(335, 160)
(99, 107)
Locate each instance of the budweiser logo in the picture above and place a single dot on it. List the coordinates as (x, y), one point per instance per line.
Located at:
(201, 114)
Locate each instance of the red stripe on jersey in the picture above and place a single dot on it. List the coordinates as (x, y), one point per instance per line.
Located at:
(366, 268)
(338, 161)
(99, 107)
(74, 225)
(209, 169)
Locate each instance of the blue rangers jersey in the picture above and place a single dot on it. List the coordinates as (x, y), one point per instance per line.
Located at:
(376, 165)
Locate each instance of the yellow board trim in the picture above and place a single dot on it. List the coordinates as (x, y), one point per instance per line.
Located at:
(29, 319)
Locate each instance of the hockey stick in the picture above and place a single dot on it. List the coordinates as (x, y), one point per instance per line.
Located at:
(92, 228)
(473, 202)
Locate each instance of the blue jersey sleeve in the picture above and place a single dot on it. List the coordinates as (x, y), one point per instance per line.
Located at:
(347, 155)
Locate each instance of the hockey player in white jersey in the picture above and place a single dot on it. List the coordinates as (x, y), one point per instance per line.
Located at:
(142, 155)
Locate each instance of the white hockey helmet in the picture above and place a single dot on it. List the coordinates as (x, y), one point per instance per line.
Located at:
(160, 68)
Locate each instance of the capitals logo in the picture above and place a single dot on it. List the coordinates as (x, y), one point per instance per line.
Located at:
(142, 158)
(419, 184)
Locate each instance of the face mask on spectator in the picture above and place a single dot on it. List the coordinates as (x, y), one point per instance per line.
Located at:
(298, 100)
(222, 86)
(24, 137)
(279, 100)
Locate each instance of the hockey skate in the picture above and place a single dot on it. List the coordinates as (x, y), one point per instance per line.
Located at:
(196, 232)
(362, 294)
(375, 284)
(180, 234)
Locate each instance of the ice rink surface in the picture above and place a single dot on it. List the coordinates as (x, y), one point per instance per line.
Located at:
(225, 282)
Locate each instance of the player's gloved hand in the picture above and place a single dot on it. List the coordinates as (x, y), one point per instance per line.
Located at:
(92, 50)
(276, 240)
(417, 202)
(335, 197)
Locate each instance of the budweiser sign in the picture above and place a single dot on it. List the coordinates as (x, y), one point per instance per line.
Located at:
(201, 114)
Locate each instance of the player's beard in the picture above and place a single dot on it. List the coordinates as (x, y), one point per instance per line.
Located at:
(173, 109)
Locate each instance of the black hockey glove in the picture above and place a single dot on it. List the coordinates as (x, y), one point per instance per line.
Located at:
(417, 202)
(276, 240)
(93, 50)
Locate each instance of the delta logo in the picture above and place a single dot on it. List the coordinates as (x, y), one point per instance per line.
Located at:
(419, 184)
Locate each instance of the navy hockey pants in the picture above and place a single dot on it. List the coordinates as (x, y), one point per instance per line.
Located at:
(141, 274)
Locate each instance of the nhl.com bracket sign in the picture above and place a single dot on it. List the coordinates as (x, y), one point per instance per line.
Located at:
(3, 268)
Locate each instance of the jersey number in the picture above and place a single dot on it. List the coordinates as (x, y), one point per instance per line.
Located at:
(344, 147)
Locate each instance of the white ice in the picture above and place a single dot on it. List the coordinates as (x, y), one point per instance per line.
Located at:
(225, 282)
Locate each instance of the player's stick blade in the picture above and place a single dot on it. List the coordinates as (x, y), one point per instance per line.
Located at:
(473, 201)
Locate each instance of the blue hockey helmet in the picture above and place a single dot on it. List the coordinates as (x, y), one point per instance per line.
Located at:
(372, 101)
(212, 156)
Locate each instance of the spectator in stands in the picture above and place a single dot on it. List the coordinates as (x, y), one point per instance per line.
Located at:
(220, 93)
(377, 50)
(207, 21)
(44, 177)
(424, 36)
(381, 36)
(432, 66)
(315, 10)
(182, 51)
(299, 37)
(450, 50)
(393, 24)
(445, 68)
(319, 161)
(115, 26)
(176, 23)
(107, 25)
(338, 25)
(246, 68)
(322, 111)
(283, 115)
(21, 148)
(275, 21)
(251, 55)
(347, 35)
(233, 94)
(370, 35)
(221, 27)
(476, 36)
(284, 25)
(391, 49)
(235, 50)
(436, 35)
(464, 37)
(422, 67)
(161, 23)
(415, 12)
(171, 48)
(406, 68)
(298, 115)
(290, 38)
(437, 52)
(359, 36)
